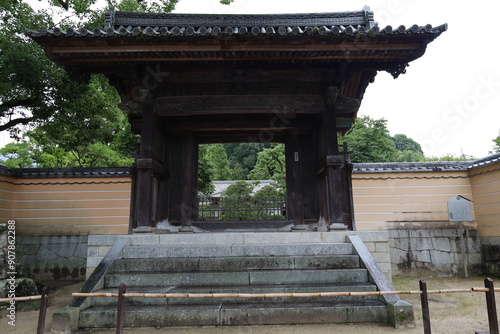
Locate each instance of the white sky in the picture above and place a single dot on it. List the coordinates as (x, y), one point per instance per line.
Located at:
(449, 99)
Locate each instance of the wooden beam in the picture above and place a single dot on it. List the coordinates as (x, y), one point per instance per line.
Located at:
(238, 104)
(227, 126)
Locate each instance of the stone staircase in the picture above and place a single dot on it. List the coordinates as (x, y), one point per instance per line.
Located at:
(237, 268)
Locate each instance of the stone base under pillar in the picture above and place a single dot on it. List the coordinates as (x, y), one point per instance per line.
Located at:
(144, 229)
(337, 227)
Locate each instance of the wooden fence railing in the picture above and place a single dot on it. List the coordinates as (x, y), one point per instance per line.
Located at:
(488, 289)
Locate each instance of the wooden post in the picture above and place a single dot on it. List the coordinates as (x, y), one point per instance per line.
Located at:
(347, 198)
(462, 248)
(144, 181)
(491, 305)
(333, 161)
(296, 190)
(120, 316)
(43, 310)
(425, 307)
(187, 204)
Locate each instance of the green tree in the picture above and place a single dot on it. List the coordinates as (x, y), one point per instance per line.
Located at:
(238, 173)
(93, 138)
(451, 157)
(407, 149)
(268, 201)
(19, 155)
(205, 185)
(80, 120)
(403, 143)
(244, 154)
(236, 202)
(370, 141)
(28, 79)
(270, 164)
(219, 164)
(409, 156)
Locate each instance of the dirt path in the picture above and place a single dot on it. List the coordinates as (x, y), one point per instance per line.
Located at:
(450, 313)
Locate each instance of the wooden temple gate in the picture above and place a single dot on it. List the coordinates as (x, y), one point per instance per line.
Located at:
(189, 79)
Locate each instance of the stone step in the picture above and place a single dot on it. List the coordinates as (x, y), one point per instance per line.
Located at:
(258, 277)
(235, 263)
(367, 311)
(238, 250)
(305, 288)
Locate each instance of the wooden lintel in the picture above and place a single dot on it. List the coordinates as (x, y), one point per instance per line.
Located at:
(264, 126)
(237, 104)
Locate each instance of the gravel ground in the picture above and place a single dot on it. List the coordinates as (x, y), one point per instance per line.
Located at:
(450, 313)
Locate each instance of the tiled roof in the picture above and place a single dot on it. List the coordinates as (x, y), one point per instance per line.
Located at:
(489, 160)
(65, 172)
(221, 186)
(132, 24)
(430, 166)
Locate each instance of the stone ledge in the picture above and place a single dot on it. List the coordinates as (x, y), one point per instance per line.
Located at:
(240, 238)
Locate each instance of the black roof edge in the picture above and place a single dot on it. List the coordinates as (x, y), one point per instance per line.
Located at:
(65, 172)
(425, 166)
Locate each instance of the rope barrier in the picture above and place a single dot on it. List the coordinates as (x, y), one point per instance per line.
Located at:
(276, 295)
(423, 292)
(20, 299)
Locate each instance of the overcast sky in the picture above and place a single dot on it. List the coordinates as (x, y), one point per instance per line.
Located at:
(449, 99)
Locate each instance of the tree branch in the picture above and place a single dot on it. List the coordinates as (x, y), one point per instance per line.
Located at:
(17, 103)
(64, 5)
(14, 122)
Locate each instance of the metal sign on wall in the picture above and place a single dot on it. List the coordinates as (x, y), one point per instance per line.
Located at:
(459, 209)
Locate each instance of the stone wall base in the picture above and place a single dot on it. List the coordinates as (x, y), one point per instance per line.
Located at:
(54, 257)
(425, 252)
(490, 252)
(435, 252)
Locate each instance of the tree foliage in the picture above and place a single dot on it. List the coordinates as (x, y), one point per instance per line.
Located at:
(403, 143)
(205, 185)
(19, 155)
(72, 124)
(244, 155)
(219, 164)
(29, 81)
(236, 202)
(270, 164)
(407, 149)
(370, 141)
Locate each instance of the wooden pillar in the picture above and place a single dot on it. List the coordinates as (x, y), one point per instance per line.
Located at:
(163, 177)
(144, 183)
(333, 161)
(189, 203)
(347, 197)
(294, 182)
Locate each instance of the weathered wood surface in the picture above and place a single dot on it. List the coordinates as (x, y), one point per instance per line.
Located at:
(219, 104)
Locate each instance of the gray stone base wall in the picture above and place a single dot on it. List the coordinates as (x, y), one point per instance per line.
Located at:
(54, 257)
(3, 251)
(412, 252)
(490, 252)
(434, 252)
